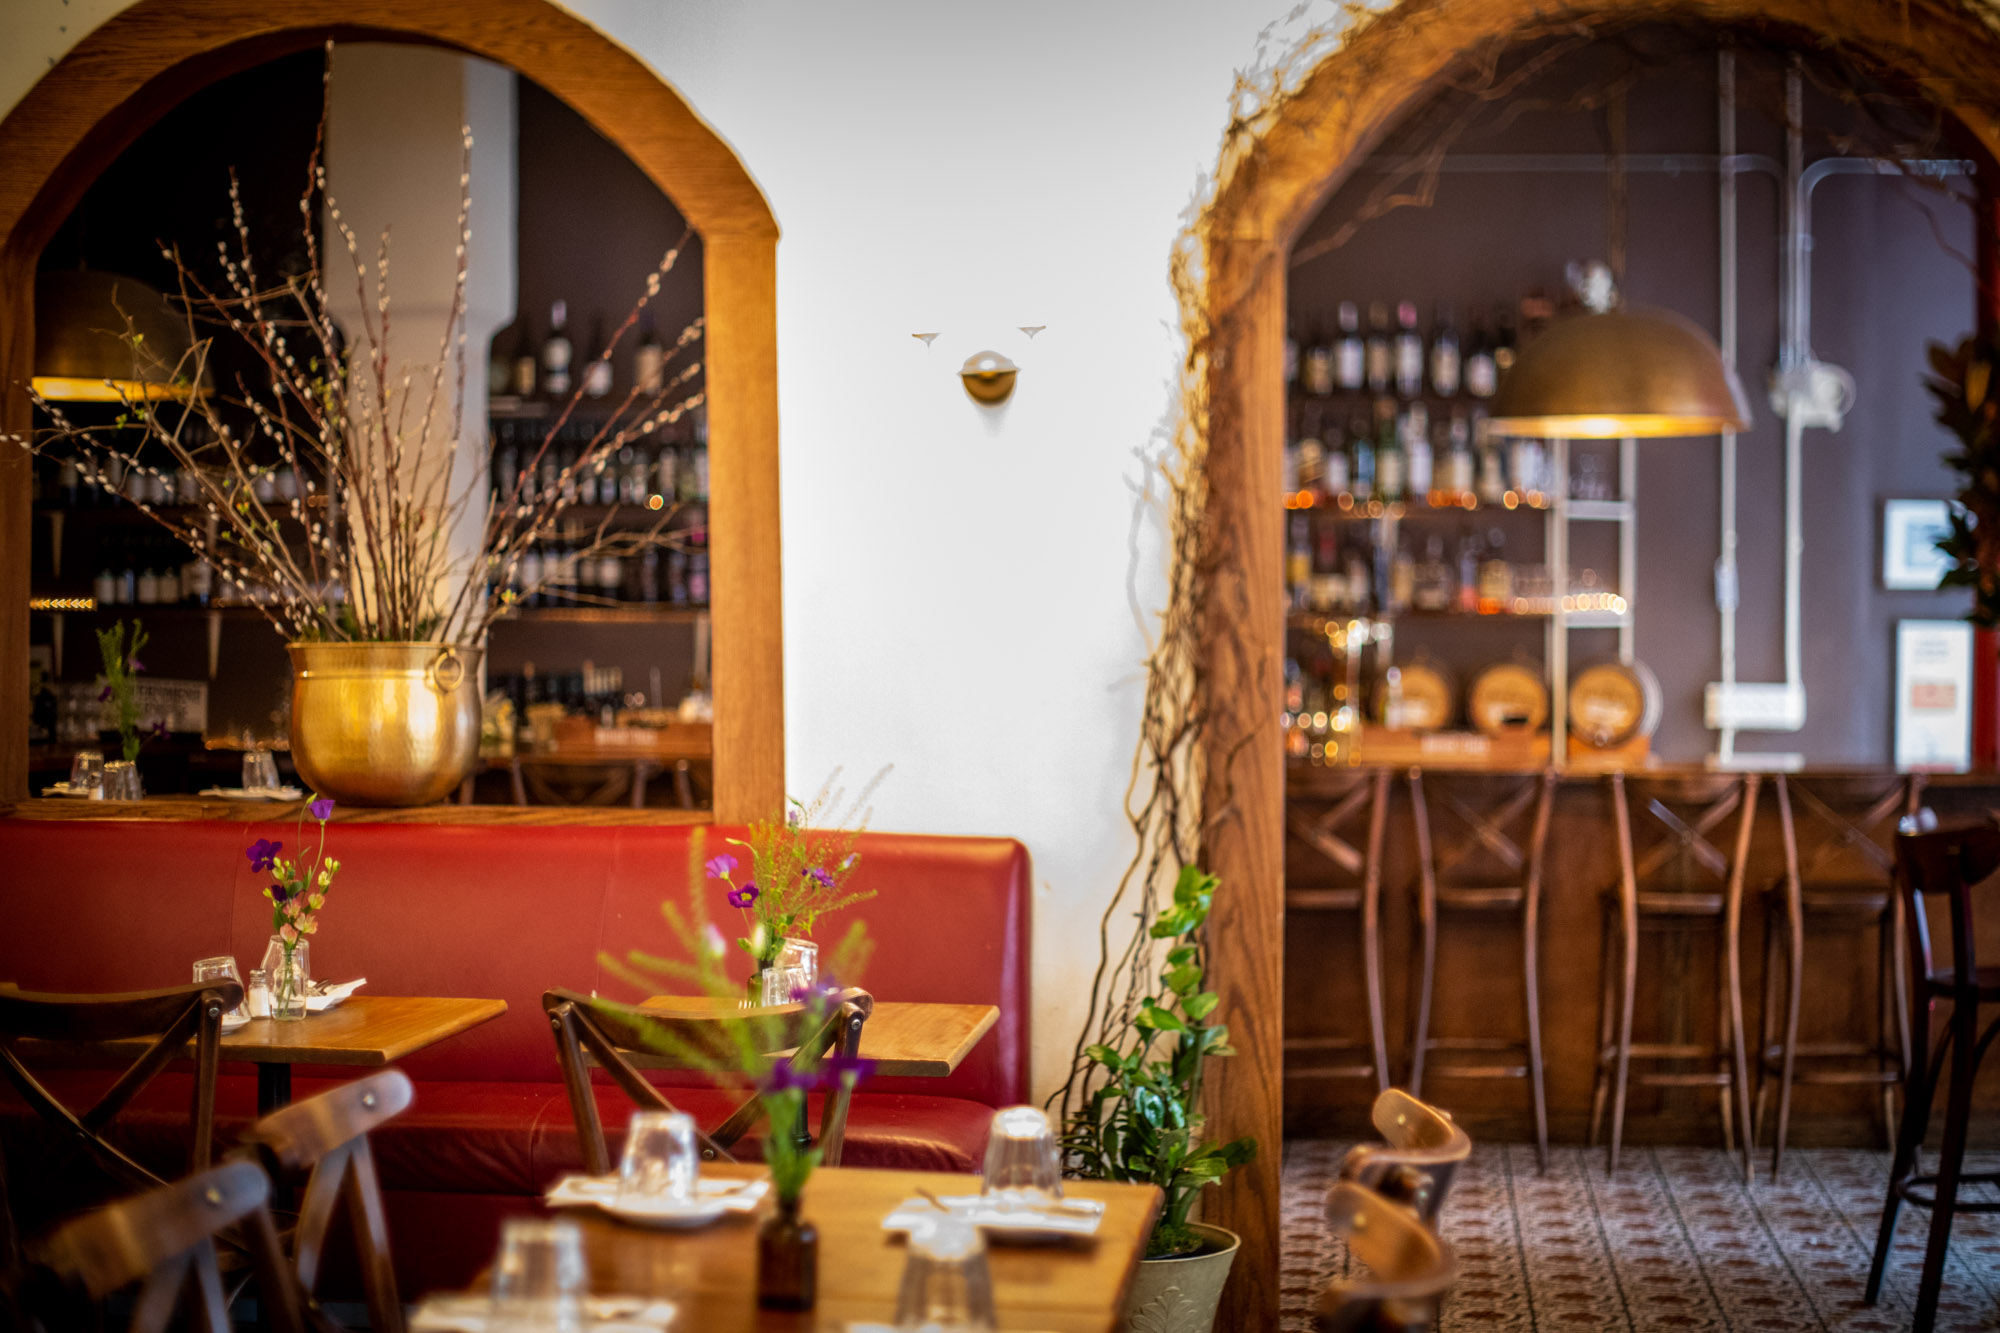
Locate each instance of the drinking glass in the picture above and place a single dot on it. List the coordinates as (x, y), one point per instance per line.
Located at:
(260, 770)
(1023, 1161)
(946, 1285)
(121, 781)
(86, 772)
(538, 1281)
(660, 1163)
(219, 968)
(795, 969)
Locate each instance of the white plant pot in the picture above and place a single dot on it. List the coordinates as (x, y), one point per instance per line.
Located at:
(1180, 1294)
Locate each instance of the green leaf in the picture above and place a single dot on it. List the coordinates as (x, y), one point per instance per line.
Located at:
(1160, 1020)
(1180, 956)
(1201, 1006)
(1183, 979)
(1105, 1056)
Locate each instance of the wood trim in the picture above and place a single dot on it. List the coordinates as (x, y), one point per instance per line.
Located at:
(1269, 187)
(131, 69)
(183, 808)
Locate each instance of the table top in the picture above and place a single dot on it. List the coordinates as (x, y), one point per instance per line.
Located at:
(364, 1030)
(712, 1271)
(905, 1038)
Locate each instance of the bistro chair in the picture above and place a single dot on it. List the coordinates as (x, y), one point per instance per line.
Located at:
(328, 1135)
(1321, 820)
(1490, 868)
(1410, 1268)
(1839, 879)
(692, 1033)
(1419, 1156)
(1670, 879)
(164, 1241)
(1956, 865)
(160, 1023)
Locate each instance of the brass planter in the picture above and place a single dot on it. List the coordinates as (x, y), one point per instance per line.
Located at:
(384, 723)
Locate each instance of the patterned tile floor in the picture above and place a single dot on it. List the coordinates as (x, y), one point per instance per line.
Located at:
(1674, 1242)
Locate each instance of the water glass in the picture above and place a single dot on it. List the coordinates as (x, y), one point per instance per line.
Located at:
(539, 1279)
(219, 968)
(946, 1285)
(86, 773)
(260, 770)
(660, 1163)
(121, 781)
(1023, 1160)
(793, 971)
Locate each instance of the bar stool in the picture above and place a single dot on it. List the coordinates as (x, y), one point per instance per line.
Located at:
(1844, 883)
(1954, 863)
(1350, 796)
(1517, 896)
(1686, 811)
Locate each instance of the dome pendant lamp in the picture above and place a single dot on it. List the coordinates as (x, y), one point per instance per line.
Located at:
(83, 351)
(1616, 370)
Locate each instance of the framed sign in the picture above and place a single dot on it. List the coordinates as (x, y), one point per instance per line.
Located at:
(1933, 694)
(1911, 530)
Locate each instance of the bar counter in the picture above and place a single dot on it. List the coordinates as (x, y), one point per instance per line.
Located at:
(171, 808)
(1478, 990)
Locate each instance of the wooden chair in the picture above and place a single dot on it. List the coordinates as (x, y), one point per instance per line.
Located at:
(1355, 796)
(62, 1027)
(1509, 890)
(1410, 1267)
(1683, 814)
(692, 1034)
(1955, 864)
(164, 1241)
(1419, 1156)
(1842, 880)
(328, 1136)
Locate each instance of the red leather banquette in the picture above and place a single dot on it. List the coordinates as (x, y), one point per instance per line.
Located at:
(505, 911)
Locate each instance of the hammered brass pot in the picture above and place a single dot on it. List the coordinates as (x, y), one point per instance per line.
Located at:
(384, 723)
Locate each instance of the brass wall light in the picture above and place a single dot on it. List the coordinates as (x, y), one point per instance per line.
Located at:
(988, 377)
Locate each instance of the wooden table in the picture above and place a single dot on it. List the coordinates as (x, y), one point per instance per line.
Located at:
(365, 1031)
(905, 1039)
(712, 1272)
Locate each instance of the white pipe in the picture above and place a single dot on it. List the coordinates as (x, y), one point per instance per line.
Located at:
(1795, 350)
(1725, 563)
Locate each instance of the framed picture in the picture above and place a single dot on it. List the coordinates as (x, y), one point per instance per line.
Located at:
(1911, 530)
(1933, 694)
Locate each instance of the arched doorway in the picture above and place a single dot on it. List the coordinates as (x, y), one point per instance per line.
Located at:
(1272, 180)
(122, 76)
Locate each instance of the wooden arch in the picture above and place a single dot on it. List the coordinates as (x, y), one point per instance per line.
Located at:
(1270, 185)
(128, 72)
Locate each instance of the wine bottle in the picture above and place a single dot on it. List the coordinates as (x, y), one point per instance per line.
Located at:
(1445, 360)
(1491, 487)
(1496, 577)
(1318, 370)
(556, 352)
(1361, 465)
(1504, 341)
(1409, 352)
(1417, 453)
(1379, 353)
(1391, 470)
(1349, 356)
(597, 375)
(1291, 360)
(525, 372)
(528, 576)
(649, 362)
(1481, 375)
(1467, 598)
(1298, 562)
(1334, 480)
(1458, 465)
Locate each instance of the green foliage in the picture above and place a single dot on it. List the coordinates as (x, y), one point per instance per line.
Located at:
(800, 863)
(1144, 1125)
(121, 667)
(1962, 385)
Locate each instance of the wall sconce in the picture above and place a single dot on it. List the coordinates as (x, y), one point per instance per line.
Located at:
(988, 377)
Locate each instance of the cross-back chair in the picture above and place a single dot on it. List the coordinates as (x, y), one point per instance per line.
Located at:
(164, 1242)
(1421, 1150)
(1341, 822)
(328, 1135)
(694, 1033)
(1961, 866)
(1410, 1268)
(1680, 865)
(159, 1024)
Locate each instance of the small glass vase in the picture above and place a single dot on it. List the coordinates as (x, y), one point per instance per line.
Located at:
(290, 974)
(787, 1259)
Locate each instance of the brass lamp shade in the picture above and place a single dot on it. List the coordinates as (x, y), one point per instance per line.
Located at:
(1634, 370)
(81, 330)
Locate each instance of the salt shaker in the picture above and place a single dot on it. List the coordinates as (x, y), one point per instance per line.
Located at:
(257, 1002)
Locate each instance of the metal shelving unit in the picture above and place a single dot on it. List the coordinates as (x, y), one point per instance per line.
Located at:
(1563, 511)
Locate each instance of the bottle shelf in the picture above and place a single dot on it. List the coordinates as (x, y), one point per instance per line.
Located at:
(1345, 508)
(639, 613)
(1595, 618)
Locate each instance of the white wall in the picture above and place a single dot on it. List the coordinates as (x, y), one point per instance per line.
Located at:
(956, 580)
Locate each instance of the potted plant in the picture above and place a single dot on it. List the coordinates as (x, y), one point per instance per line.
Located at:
(1967, 395)
(321, 488)
(1144, 1124)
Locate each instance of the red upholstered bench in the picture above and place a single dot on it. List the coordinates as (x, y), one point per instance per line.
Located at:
(505, 911)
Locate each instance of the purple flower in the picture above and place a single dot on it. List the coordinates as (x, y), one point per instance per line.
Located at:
(160, 731)
(821, 994)
(137, 666)
(784, 1078)
(321, 809)
(848, 1068)
(744, 896)
(104, 695)
(263, 853)
(817, 876)
(721, 867)
(280, 894)
(831, 1072)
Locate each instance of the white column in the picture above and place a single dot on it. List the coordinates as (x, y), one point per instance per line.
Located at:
(394, 154)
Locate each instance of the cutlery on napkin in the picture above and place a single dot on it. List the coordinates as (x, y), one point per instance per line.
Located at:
(735, 1196)
(326, 994)
(1068, 1217)
(470, 1312)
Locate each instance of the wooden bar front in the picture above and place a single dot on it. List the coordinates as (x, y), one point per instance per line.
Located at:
(1478, 989)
